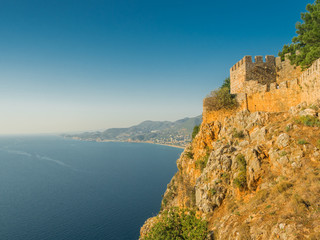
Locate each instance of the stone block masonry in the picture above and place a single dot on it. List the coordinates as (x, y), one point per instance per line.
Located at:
(310, 83)
(273, 85)
(286, 71)
(246, 70)
(279, 99)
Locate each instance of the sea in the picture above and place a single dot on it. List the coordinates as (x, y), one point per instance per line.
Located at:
(53, 188)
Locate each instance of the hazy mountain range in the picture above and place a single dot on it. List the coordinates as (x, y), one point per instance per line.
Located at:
(161, 132)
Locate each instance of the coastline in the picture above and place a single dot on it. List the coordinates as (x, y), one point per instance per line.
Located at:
(98, 140)
(162, 144)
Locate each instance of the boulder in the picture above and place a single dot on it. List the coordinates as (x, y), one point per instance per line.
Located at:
(258, 135)
(308, 112)
(283, 140)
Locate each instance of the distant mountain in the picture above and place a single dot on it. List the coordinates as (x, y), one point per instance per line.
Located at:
(161, 132)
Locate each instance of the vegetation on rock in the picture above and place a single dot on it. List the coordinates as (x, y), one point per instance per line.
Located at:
(307, 43)
(195, 131)
(221, 98)
(176, 224)
(238, 134)
(202, 162)
(241, 180)
(189, 154)
(309, 121)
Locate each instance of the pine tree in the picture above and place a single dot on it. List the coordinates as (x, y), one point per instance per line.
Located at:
(305, 47)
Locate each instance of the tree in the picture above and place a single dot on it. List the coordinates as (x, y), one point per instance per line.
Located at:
(221, 98)
(226, 83)
(305, 48)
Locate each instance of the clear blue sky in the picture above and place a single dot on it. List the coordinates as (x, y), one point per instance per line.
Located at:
(89, 65)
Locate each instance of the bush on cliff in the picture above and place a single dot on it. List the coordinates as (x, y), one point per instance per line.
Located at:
(176, 224)
(221, 98)
(308, 40)
(309, 121)
(241, 180)
(195, 131)
(201, 163)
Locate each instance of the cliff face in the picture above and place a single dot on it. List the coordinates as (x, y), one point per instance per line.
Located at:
(252, 175)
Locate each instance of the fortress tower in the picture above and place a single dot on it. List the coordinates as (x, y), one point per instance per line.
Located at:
(246, 70)
(273, 85)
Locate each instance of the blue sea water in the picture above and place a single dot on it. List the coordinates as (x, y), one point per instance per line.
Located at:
(54, 188)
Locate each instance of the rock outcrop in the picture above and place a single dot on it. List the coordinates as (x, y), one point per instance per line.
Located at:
(253, 175)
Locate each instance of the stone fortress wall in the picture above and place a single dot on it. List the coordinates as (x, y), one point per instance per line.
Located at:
(246, 70)
(273, 85)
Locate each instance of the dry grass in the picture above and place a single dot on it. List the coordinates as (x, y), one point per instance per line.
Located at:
(261, 196)
(283, 186)
(315, 236)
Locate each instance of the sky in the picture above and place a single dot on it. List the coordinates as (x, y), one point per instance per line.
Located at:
(75, 65)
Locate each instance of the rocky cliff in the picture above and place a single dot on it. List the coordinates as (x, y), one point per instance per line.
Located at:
(252, 175)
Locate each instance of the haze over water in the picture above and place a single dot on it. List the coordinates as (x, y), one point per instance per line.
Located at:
(53, 188)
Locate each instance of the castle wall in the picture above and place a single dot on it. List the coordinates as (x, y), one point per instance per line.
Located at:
(286, 71)
(274, 85)
(238, 74)
(310, 83)
(279, 99)
(270, 93)
(280, 96)
(245, 70)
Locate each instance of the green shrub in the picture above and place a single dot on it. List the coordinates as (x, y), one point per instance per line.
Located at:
(241, 180)
(283, 153)
(201, 163)
(189, 154)
(164, 203)
(176, 224)
(238, 134)
(196, 130)
(309, 121)
(302, 142)
(212, 192)
(314, 107)
(242, 162)
(221, 98)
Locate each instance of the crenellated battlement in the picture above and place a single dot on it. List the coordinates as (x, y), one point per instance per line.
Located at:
(312, 72)
(261, 70)
(272, 84)
(244, 60)
(269, 59)
(286, 59)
